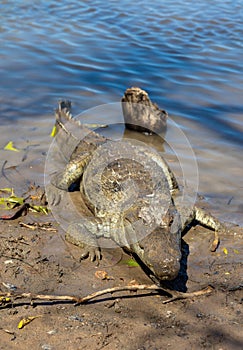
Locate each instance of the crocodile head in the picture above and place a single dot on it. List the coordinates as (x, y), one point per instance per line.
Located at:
(160, 251)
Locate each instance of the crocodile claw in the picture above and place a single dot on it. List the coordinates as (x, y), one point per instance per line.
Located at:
(78, 234)
(54, 195)
(93, 253)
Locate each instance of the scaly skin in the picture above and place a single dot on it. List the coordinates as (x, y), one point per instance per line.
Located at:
(127, 205)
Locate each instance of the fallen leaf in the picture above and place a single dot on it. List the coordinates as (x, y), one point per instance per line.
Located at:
(54, 131)
(9, 147)
(6, 190)
(225, 250)
(22, 323)
(11, 201)
(131, 263)
(103, 275)
(4, 300)
(39, 209)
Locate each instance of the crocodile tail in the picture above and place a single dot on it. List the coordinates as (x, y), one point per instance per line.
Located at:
(65, 125)
(63, 114)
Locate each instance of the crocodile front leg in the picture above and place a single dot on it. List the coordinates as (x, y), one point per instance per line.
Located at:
(211, 222)
(205, 219)
(83, 235)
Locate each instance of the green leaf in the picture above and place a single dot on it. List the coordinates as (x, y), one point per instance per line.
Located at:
(39, 209)
(12, 199)
(10, 202)
(131, 263)
(10, 147)
(6, 190)
(2, 201)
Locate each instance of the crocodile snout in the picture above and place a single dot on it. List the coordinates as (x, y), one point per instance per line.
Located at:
(161, 253)
(166, 269)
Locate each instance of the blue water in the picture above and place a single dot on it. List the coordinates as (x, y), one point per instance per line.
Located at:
(186, 54)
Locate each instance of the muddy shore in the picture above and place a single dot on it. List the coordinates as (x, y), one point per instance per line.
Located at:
(39, 261)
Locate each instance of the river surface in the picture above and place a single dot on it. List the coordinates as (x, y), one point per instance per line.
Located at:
(186, 54)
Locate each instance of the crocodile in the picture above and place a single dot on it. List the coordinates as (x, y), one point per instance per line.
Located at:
(127, 194)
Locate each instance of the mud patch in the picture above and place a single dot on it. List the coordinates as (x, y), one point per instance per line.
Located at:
(41, 262)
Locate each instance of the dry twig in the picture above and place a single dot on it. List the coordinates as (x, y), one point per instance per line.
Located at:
(46, 226)
(13, 334)
(175, 295)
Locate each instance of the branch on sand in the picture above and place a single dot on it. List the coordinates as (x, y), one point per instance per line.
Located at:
(10, 297)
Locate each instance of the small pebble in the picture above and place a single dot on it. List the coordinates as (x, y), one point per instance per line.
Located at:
(46, 347)
(76, 318)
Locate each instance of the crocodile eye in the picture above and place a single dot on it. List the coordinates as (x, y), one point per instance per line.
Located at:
(141, 245)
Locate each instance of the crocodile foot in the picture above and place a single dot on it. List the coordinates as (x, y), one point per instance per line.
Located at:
(78, 235)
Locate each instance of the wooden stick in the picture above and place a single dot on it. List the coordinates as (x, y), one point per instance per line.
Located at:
(9, 297)
(37, 225)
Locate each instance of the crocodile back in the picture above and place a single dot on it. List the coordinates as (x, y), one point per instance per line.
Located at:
(125, 182)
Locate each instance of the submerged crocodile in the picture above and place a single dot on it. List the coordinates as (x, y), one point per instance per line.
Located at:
(127, 195)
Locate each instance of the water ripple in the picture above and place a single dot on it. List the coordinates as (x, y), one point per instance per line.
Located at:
(180, 51)
(187, 54)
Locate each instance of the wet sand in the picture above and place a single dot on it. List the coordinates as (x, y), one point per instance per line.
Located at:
(42, 262)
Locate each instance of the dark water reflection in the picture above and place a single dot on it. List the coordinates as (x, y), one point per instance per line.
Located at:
(187, 54)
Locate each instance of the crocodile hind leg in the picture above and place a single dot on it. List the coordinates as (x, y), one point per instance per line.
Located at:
(73, 171)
